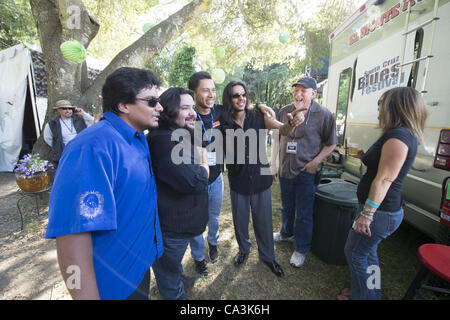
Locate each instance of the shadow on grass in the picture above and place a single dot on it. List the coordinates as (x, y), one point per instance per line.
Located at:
(315, 280)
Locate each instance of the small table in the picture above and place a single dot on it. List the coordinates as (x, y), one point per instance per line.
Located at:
(37, 194)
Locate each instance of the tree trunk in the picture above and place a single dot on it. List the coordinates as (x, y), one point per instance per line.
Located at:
(56, 24)
(145, 49)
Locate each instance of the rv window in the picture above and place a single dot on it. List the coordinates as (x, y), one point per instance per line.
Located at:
(353, 80)
(412, 82)
(342, 103)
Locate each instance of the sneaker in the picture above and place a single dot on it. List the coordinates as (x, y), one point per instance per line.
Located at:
(277, 237)
(297, 259)
(201, 268)
(212, 252)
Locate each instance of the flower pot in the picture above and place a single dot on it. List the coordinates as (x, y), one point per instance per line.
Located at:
(33, 183)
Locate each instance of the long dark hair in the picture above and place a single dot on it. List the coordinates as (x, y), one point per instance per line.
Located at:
(170, 101)
(227, 103)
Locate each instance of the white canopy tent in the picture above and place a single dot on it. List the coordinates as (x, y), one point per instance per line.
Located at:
(23, 99)
(16, 82)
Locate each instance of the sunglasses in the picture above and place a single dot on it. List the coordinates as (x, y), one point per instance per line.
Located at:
(67, 108)
(151, 101)
(237, 95)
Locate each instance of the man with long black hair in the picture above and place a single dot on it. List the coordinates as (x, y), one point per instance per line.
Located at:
(250, 178)
(182, 185)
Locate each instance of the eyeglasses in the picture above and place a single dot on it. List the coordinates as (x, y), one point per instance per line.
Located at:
(152, 102)
(237, 95)
(66, 108)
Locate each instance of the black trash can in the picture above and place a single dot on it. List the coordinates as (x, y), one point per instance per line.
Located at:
(335, 208)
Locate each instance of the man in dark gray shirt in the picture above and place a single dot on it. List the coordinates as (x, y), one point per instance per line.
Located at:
(301, 153)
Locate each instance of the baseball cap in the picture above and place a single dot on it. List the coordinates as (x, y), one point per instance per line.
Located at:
(306, 82)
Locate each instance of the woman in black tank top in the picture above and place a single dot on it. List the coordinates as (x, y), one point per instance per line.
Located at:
(402, 115)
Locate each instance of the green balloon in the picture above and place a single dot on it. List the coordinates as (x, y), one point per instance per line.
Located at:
(218, 76)
(73, 51)
(220, 52)
(284, 37)
(147, 26)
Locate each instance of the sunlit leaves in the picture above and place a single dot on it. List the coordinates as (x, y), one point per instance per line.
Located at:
(16, 23)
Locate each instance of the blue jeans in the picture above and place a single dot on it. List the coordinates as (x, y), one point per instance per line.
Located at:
(215, 195)
(168, 268)
(297, 196)
(362, 258)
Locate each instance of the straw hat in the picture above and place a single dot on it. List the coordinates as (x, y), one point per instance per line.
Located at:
(63, 104)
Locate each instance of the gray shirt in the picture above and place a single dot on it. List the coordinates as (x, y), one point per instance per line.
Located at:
(318, 130)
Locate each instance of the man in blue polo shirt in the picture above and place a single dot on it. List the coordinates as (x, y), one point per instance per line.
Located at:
(103, 209)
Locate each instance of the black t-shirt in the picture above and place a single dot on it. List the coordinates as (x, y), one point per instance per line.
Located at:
(393, 199)
(209, 121)
(250, 171)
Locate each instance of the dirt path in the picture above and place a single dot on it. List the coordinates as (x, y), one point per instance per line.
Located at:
(28, 267)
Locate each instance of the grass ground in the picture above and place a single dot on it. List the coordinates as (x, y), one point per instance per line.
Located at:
(316, 280)
(29, 270)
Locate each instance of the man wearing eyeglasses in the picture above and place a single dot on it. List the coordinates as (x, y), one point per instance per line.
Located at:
(63, 128)
(103, 207)
(301, 154)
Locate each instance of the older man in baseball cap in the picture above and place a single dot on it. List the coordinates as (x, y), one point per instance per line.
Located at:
(63, 128)
(301, 154)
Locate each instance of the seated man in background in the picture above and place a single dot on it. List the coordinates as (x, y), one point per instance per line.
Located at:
(63, 128)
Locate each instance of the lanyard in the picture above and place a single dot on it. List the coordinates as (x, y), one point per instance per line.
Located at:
(203, 125)
(71, 125)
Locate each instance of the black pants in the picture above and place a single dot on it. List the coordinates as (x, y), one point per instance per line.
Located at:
(143, 291)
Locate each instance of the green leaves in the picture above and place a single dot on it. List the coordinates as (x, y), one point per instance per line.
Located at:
(120, 24)
(182, 67)
(16, 23)
(272, 85)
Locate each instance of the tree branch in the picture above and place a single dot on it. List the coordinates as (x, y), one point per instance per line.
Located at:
(146, 48)
(247, 20)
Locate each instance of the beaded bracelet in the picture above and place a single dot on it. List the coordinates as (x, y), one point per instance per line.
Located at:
(369, 210)
(366, 217)
(372, 204)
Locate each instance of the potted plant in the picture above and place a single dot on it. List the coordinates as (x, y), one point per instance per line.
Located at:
(31, 173)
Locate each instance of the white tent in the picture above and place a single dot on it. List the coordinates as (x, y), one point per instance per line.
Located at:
(23, 100)
(16, 87)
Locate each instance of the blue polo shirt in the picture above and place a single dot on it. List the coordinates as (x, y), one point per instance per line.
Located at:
(105, 185)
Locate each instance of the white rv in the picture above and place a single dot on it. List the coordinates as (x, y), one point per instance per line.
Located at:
(382, 45)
